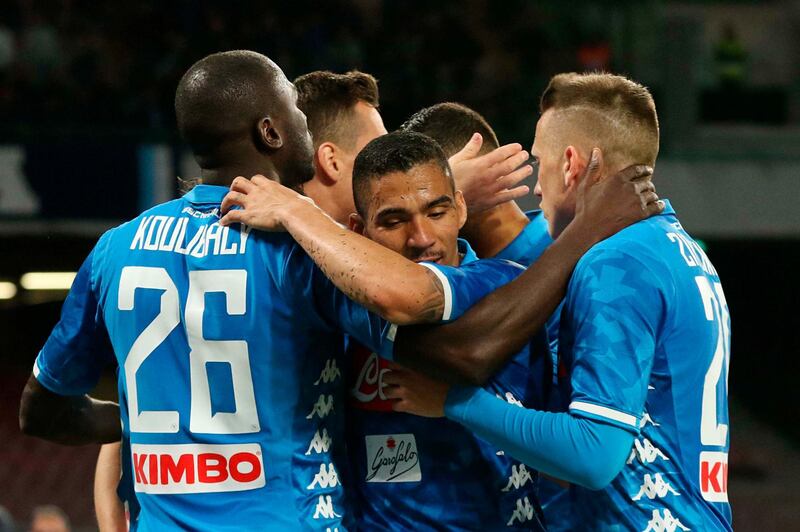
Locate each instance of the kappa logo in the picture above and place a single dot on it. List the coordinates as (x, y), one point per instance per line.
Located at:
(197, 468)
(326, 478)
(664, 523)
(329, 373)
(714, 476)
(653, 487)
(510, 399)
(392, 458)
(519, 477)
(320, 443)
(324, 509)
(322, 407)
(646, 452)
(523, 512)
(647, 419)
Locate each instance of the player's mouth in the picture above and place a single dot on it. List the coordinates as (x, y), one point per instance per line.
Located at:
(431, 257)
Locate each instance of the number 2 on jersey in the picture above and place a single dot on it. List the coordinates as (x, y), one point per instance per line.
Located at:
(232, 283)
(716, 309)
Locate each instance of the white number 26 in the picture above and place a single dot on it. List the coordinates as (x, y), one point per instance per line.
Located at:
(232, 283)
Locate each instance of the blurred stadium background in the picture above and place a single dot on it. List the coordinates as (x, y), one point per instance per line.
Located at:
(87, 139)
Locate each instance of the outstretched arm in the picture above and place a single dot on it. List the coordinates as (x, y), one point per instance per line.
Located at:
(471, 349)
(383, 281)
(69, 420)
(562, 445)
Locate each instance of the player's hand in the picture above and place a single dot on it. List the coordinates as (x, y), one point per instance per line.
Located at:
(263, 203)
(489, 180)
(608, 205)
(414, 393)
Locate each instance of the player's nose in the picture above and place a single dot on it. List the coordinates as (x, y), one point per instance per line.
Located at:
(420, 234)
(537, 190)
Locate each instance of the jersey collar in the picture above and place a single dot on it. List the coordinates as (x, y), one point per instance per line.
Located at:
(206, 194)
(466, 252)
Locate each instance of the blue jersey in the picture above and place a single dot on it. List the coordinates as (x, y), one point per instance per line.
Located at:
(645, 341)
(416, 473)
(230, 345)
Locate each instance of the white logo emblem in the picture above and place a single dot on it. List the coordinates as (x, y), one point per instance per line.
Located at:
(653, 487)
(510, 399)
(646, 452)
(322, 407)
(523, 512)
(320, 444)
(665, 523)
(518, 477)
(329, 373)
(326, 478)
(392, 458)
(324, 508)
(647, 419)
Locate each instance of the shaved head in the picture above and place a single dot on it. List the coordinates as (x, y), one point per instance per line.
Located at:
(221, 98)
(237, 108)
(604, 110)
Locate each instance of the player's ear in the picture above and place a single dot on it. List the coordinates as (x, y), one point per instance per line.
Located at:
(327, 163)
(356, 223)
(267, 135)
(573, 168)
(461, 209)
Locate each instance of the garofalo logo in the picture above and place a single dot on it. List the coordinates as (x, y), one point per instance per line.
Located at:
(392, 458)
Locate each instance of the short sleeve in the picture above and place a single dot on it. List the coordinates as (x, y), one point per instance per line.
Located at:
(612, 315)
(78, 349)
(303, 279)
(466, 285)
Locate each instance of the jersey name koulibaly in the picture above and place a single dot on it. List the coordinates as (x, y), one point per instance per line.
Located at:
(229, 344)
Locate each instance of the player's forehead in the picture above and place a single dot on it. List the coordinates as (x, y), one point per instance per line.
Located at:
(411, 190)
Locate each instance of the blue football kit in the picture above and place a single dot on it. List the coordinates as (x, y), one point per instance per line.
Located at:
(644, 351)
(230, 344)
(416, 473)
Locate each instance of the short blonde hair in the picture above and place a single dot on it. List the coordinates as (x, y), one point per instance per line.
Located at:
(611, 112)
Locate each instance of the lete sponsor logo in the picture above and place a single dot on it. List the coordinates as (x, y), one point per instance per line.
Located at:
(392, 458)
(714, 476)
(366, 391)
(197, 468)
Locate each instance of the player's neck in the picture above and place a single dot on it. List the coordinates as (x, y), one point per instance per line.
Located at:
(491, 231)
(224, 176)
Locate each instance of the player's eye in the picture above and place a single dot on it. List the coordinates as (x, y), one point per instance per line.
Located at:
(437, 214)
(391, 222)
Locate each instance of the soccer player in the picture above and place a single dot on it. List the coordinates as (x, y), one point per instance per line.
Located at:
(502, 231)
(342, 112)
(645, 341)
(267, 205)
(412, 472)
(229, 341)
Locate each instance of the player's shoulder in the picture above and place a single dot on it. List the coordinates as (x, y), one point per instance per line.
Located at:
(633, 256)
(485, 266)
(642, 242)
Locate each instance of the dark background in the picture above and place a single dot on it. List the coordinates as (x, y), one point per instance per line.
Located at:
(86, 85)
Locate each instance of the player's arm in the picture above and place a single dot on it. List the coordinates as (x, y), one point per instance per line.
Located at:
(381, 280)
(108, 507)
(69, 420)
(471, 349)
(54, 405)
(561, 445)
(613, 315)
